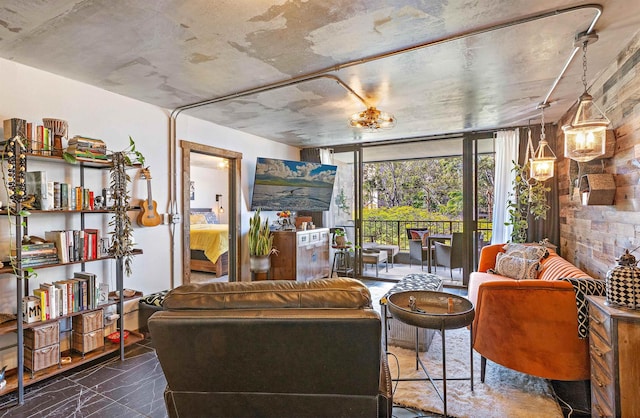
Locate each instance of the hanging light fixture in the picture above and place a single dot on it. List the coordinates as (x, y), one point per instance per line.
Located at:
(585, 135)
(372, 119)
(542, 163)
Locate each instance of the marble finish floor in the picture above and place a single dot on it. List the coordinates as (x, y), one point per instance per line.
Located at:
(132, 388)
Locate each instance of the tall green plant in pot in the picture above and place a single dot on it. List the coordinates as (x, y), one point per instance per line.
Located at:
(260, 244)
(529, 197)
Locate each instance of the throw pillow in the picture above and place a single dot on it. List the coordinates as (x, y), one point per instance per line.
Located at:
(210, 217)
(528, 251)
(197, 218)
(421, 235)
(516, 267)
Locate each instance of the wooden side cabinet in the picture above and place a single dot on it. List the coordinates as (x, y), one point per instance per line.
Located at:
(614, 340)
(302, 255)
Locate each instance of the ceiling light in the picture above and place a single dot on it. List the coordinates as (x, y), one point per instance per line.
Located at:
(542, 163)
(372, 120)
(585, 135)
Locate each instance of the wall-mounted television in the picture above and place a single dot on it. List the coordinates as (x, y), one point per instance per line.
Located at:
(292, 185)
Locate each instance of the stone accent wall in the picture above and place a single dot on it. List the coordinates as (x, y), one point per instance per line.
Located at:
(592, 237)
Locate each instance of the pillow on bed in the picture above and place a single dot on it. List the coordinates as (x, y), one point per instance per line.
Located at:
(210, 217)
(197, 218)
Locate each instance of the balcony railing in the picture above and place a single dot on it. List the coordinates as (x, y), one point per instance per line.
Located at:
(395, 232)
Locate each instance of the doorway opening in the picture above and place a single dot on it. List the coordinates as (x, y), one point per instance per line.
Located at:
(210, 200)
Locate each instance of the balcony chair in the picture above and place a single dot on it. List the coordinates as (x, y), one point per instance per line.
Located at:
(449, 255)
(417, 247)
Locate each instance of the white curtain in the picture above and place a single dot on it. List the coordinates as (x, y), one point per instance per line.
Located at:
(326, 157)
(506, 144)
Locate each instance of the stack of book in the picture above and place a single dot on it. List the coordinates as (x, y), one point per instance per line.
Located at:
(83, 147)
(75, 245)
(38, 254)
(64, 297)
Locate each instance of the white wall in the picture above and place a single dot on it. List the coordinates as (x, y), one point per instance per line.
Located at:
(32, 94)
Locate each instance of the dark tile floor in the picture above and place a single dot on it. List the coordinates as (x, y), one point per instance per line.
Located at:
(133, 388)
(110, 388)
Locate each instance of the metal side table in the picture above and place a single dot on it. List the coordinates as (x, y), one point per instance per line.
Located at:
(439, 311)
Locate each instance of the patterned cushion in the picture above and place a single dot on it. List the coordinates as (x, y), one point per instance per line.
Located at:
(154, 299)
(420, 281)
(516, 267)
(584, 287)
(528, 251)
(421, 235)
(211, 217)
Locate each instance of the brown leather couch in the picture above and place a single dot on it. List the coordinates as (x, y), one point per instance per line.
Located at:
(529, 325)
(272, 349)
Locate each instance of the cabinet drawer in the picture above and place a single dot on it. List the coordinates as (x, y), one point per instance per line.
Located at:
(600, 323)
(83, 343)
(601, 353)
(41, 358)
(42, 335)
(602, 382)
(88, 322)
(303, 239)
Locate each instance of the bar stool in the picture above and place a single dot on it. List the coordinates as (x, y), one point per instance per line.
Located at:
(341, 260)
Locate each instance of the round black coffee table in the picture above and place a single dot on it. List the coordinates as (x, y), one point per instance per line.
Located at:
(439, 311)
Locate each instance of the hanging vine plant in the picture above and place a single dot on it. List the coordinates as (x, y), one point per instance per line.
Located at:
(122, 231)
(529, 197)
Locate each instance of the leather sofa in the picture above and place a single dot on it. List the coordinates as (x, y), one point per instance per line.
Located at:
(272, 349)
(529, 325)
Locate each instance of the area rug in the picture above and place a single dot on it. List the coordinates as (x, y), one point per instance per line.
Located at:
(505, 392)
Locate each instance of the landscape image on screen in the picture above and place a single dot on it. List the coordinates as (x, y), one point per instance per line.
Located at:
(292, 185)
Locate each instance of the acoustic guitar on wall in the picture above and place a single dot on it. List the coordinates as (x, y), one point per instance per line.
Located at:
(148, 214)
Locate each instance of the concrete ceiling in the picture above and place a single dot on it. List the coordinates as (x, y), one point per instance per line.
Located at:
(429, 62)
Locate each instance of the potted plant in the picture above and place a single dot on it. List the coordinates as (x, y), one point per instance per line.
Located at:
(529, 197)
(260, 244)
(340, 237)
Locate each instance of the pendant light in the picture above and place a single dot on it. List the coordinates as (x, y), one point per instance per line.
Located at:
(542, 163)
(585, 135)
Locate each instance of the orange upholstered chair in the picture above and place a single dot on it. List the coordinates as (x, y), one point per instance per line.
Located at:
(529, 325)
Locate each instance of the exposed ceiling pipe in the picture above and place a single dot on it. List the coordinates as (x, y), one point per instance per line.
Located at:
(173, 205)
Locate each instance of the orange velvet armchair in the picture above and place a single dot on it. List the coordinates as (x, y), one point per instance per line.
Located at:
(529, 325)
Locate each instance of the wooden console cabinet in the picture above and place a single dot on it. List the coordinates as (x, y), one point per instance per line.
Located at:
(614, 340)
(302, 255)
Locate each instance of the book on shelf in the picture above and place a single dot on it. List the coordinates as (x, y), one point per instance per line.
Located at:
(33, 248)
(53, 294)
(57, 198)
(59, 238)
(90, 297)
(64, 195)
(49, 203)
(39, 260)
(44, 302)
(15, 127)
(83, 140)
(64, 297)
